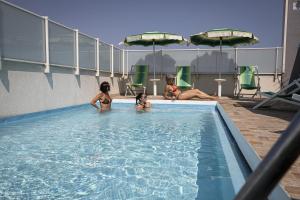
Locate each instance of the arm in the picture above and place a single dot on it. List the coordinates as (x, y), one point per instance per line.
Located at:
(166, 93)
(95, 99)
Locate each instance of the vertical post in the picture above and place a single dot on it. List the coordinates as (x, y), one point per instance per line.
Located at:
(236, 59)
(276, 64)
(237, 86)
(285, 35)
(127, 62)
(123, 63)
(76, 52)
(46, 30)
(112, 60)
(153, 59)
(220, 64)
(97, 57)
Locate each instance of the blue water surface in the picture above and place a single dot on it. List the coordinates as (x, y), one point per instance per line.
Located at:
(171, 152)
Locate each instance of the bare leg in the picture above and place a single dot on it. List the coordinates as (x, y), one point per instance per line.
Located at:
(194, 93)
(203, 95)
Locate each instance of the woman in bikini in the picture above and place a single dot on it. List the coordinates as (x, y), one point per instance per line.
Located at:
(141, 103)
(103, 97)
(172, 92)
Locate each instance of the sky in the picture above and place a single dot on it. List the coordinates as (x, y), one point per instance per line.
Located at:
(113, 20)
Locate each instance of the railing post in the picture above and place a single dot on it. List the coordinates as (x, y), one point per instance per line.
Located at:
(127, 62)
(236, 88)
(76, 52)
(112, 60)
(123, 63)
(97, 58)
(46, 31)
(276, 64)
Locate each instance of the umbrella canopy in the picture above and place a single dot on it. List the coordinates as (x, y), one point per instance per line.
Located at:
(156, 38)
(224, 36)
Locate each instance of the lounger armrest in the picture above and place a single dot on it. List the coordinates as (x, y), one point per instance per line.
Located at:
(296, 97)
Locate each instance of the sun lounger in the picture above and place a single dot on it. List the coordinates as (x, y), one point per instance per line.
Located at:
(183, 77)
(287, 94)
(139, 81)
(248, 79)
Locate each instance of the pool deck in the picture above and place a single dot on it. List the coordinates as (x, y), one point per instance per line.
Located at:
(261, 128)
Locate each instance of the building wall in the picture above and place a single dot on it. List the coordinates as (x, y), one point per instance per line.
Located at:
(291, 41)
(24, 88)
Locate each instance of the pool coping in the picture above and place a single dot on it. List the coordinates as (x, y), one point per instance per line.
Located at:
(253, 159)
(247, 150)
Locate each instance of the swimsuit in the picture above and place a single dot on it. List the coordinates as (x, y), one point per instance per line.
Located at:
(174, 89)
(106, 100)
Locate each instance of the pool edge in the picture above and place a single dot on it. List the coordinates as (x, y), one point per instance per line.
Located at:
(279, 193)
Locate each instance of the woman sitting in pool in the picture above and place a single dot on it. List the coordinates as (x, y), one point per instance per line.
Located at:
(141, 102)
(172, 92)
(103, 97)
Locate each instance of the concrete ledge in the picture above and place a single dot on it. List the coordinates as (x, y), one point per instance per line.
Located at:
(250, 154)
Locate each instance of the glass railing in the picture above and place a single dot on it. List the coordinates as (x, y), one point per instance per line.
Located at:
(27, 37)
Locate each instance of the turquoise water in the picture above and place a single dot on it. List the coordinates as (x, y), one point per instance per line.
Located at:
(171, 152)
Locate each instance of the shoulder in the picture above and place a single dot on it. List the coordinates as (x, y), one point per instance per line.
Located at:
(100, 95)
(168, 87)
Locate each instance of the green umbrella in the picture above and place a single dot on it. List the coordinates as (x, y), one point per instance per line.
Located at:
(223, 37)
(154, 38)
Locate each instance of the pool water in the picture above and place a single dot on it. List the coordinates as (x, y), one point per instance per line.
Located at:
(171, 152)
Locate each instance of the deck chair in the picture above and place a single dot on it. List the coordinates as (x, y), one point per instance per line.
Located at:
(248, 79)
(287, 94)
(139, 81)
(183, 77)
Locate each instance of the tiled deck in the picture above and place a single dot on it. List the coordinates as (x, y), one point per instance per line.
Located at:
(261, 128)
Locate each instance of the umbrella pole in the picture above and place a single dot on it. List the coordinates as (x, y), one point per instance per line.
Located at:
(220, 58)
(220, 80)
(153, 59)
(154, 79)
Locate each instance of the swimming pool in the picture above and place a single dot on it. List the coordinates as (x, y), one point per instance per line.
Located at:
(177, 151)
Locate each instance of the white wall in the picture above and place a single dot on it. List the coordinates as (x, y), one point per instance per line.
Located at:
(24, 88)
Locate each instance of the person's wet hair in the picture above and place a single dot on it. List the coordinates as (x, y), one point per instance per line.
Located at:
(138, 98)
(104, 87)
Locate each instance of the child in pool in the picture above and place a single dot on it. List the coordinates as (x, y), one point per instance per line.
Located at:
(141, 103)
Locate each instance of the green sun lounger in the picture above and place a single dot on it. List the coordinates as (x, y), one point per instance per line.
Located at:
(183, 77)
(248, 79)
(139, 81)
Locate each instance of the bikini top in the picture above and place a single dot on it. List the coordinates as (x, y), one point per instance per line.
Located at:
(174, 88)
(106, 100)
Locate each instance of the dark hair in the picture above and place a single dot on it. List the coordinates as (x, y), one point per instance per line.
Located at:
(170, 77)
(104, 87)
(138, 98)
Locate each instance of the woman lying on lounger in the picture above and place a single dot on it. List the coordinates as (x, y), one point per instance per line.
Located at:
(172, 92)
